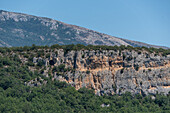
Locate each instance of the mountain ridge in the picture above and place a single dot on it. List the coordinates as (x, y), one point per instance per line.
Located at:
(18, 29)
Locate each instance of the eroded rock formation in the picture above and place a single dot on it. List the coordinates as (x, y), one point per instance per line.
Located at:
(110, 72)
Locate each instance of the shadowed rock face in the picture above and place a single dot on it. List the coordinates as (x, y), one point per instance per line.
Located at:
(18, 29)
(110, 72)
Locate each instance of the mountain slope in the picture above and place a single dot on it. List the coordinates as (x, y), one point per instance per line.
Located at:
(18, 29)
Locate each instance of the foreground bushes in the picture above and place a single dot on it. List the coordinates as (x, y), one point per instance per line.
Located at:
(60, 97)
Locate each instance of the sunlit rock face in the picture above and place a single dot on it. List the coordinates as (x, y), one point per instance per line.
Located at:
(113, 72)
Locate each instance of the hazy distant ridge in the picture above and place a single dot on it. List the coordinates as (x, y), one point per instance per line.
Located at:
(17, 29)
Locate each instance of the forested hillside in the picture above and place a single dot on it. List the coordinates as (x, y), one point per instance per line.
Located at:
(25, 88)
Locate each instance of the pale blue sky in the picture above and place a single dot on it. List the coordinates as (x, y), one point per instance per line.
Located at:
(140, 20)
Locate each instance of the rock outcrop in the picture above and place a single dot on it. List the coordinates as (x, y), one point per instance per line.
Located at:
(109, 72)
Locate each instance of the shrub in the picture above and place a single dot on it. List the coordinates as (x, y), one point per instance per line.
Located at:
(136, 67)
(121, 71)
(129, 58)
(30, 63)
(83, 56)
(26, 55)
(87, 72)
(124, 56)
(48, 55)
(149, 70)
(40, 63)
(139, 52)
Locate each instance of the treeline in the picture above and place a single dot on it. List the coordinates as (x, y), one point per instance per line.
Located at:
(59, 97)
(67, 48)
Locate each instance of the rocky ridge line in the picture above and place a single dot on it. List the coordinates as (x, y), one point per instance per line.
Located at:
(17, 29)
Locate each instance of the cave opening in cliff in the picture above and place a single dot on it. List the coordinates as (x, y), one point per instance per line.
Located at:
(51, 62)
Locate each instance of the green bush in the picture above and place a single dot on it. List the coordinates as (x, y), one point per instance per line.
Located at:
(40, 63)
(29, 63)
(136, 67)
(87, 72)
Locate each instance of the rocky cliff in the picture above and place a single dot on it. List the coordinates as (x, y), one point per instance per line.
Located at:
(110, 71)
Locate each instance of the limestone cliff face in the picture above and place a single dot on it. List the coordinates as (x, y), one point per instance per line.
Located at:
(110, 72)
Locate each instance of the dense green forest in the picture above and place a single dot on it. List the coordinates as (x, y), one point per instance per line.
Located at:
(55, 96)
(67, 48)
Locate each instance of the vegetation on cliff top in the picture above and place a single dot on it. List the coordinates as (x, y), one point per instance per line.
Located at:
(67, 48)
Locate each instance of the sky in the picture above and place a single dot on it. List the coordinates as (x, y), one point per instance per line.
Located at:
(140, 20)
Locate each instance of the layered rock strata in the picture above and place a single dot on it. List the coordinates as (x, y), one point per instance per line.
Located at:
(110, 72)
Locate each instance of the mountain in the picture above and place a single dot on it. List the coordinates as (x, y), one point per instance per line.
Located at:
(77, 78)
(17, 29)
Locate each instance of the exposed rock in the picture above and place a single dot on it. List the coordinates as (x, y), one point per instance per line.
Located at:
(108, 72)
(19, 29)
(105, 105)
